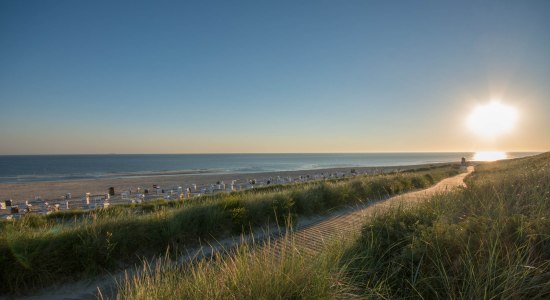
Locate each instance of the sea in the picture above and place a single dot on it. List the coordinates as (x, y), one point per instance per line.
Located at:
(38, 168)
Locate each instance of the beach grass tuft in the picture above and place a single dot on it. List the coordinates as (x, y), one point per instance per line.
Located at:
(251, 271)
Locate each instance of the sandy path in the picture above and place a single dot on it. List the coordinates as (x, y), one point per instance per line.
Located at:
(309, 236)
(311, 239)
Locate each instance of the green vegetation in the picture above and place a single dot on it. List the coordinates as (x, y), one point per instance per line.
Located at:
(39, 250)
(248, 272)
(489, 240)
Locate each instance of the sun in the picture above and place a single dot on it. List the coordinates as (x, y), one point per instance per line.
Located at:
(492, 119)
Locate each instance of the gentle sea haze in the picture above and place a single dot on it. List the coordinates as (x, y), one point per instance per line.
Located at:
(32, 168)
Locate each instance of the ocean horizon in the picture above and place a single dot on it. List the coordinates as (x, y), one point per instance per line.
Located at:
(41, 168)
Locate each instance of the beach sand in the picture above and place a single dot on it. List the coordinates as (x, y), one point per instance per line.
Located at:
(54, 191)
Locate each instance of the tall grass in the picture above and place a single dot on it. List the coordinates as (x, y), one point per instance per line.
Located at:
(248, 272)
(490, 240)
(41, 250)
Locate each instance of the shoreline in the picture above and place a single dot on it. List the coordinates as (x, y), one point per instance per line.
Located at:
(111, 176)
(55, 190)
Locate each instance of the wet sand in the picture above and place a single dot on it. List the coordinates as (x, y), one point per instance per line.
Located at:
(20, 192)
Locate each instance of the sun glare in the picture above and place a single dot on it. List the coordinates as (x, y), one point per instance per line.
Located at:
(489, 156)
(493, 119)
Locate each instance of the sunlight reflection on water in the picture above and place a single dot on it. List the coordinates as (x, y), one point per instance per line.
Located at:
(489, 155)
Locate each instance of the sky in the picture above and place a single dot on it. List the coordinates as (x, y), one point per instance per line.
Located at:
(269, 76)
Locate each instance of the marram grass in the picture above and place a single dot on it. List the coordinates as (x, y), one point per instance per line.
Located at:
(490, 240)
(249, 272)
(37, 251)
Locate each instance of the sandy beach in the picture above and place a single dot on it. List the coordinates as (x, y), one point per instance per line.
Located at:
(51, 191)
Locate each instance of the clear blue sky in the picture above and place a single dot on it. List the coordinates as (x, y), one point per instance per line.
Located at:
(269, 76)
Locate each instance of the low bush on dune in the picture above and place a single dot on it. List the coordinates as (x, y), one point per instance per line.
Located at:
(39, 250)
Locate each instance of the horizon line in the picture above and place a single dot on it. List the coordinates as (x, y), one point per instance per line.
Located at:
(240, 153)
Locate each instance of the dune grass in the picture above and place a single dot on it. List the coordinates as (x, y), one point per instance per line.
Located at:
(249, 272)
(489, 240)
(41, 250)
